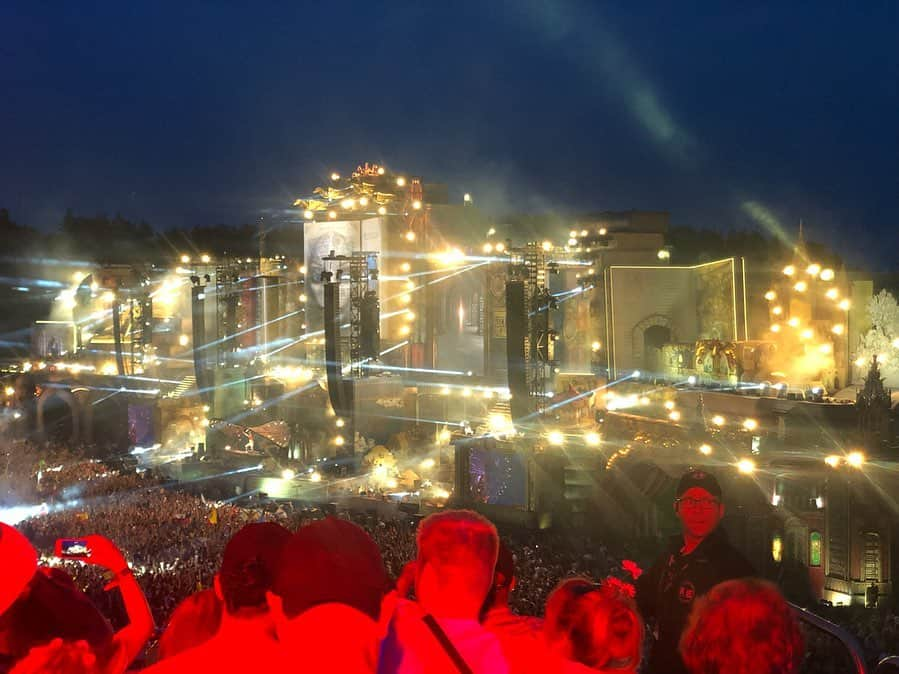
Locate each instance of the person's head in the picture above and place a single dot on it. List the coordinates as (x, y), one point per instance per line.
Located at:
(457, 551)
(594, 624)
(742, 627)
(71, 657)
(19, 565)
(52, 607)
(330, 561)
(698, 504)
(503, 579)
(248, 569)
(195, 620)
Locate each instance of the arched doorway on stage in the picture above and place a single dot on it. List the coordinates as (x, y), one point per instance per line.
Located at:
(647, 338)
(653, 339)
(57, 416)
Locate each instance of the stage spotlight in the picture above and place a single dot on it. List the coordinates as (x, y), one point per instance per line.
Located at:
(746, 466)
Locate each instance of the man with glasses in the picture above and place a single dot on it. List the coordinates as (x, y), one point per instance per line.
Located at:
(695, 561)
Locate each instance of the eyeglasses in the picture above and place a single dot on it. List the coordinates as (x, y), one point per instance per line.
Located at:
(699, 503)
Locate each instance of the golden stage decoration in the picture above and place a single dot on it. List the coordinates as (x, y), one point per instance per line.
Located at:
(368, 187)
(717, 349)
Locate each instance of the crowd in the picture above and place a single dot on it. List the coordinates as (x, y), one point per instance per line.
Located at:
(360, 592)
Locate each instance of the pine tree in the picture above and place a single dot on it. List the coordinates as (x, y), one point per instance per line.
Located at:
(873, 406)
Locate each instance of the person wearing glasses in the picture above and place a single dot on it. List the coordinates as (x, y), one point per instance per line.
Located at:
(694, 562)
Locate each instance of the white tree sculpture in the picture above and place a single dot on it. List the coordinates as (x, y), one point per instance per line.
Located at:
(882, 340)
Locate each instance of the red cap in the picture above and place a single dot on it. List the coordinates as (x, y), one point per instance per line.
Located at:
(19, 564)
(331, 560)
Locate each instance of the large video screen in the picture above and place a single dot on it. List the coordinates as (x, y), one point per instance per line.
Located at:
(342, 237)
(498, 477)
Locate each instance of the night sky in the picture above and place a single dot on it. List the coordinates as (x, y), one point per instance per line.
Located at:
(725, 114)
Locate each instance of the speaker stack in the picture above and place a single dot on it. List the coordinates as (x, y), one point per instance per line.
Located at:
(516, 333)
(340, 391)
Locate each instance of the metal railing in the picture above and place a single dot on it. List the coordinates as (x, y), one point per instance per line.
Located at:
(888, 664)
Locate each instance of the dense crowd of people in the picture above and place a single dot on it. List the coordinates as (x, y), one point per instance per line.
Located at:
(443, 594)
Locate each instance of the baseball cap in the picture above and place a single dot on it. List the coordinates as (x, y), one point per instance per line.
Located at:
(249, 563)
(19, 565)
(331, 561)
(701, 479)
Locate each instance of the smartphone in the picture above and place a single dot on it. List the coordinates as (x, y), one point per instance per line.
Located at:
(72, 548)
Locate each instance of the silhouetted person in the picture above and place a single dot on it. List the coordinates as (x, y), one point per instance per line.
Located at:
(453, 572)
(326, 598)
(245, 640)
(742, 627)
(595, 625)
(696, 560)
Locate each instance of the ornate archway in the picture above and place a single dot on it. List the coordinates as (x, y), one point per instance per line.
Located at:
(638, 336)
(69, 400)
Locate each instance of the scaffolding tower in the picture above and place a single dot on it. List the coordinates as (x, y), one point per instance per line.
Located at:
(531, 265)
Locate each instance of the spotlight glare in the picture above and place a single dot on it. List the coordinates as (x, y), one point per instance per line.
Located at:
(746, 466)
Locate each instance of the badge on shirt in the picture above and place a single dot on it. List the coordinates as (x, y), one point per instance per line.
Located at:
(686, 592)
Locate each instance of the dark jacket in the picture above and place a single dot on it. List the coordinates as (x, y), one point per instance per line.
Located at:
(666, 592)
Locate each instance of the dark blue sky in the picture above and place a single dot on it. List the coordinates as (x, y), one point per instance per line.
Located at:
(193, 113)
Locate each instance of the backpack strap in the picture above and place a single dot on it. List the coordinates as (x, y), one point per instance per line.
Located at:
(447, 645)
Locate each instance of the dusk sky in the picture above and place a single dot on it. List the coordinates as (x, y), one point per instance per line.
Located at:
(725, 114)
